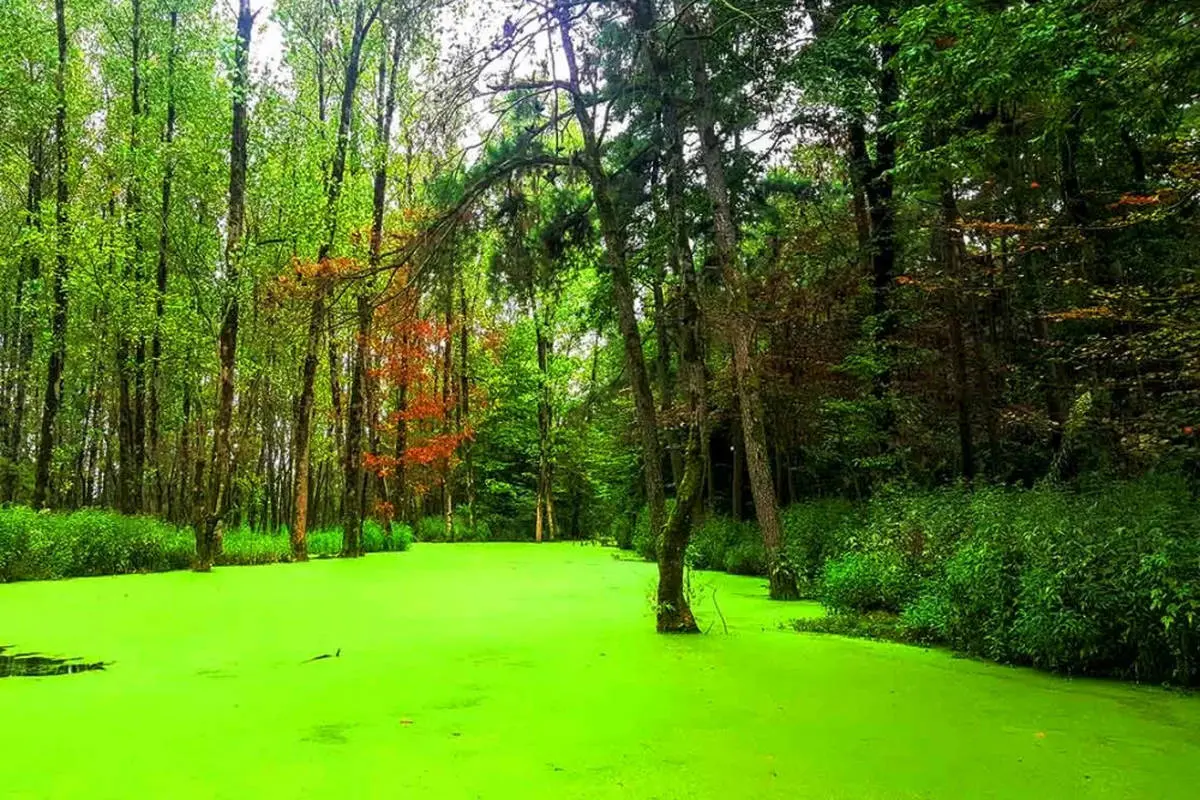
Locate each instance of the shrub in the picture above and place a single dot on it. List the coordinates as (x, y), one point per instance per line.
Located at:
(1104, 580)
(43, 546)
(814, 532)
(978, 589)
(378, 539)
(861, 582)
(747, 556)
(924, 619)
(870, 625)
(714, 540)
(247, 547)
(620, 529)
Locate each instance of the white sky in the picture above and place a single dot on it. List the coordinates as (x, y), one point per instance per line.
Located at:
(469, 24)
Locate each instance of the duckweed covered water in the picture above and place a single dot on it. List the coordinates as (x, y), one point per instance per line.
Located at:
(502, 671)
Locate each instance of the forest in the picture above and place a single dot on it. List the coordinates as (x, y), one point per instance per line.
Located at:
(888, 308)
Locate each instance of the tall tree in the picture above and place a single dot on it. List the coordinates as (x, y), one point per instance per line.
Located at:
(739, 323)
(52, 398)
(220, 468)
(302, 431)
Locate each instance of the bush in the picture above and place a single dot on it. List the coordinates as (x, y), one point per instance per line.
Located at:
(378, 539)
(859, 582)
(1104, 580)
(247, 547)
(870, 625)
(714, 541)
(924, 619)
(815, 532)
(978, 590)
(620, 529)
(747, 556)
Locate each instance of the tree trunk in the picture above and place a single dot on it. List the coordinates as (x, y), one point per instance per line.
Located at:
(129, 363)
(545, 500)
(615, 252)
(353, 491)
(208, 545)
(782, 579)
(24, 327)
(52, 398)
(160, 281)
(952, 252)
(301, 438)
(464, 404)
(662, 365)
(302, 431)
(674, 614)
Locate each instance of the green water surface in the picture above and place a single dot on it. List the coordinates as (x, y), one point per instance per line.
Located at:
(528, 671)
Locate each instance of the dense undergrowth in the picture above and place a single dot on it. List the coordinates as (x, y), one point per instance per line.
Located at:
(41, 546)
(1103, 579)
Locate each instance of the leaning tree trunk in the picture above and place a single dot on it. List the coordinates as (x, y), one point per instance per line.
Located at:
(207, 537)
(615, 252)
(674, 614)
(741, 329)
(52, 399)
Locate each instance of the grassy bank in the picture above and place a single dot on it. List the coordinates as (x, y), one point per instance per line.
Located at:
(42, 546)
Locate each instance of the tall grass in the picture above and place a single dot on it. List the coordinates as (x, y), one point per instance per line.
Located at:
(38, 545)
(43, 546)
(245, 546)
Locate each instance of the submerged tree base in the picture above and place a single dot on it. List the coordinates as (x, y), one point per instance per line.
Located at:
(783, 585)
(672, 621)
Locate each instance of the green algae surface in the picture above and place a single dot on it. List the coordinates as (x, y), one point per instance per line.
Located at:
(496, 670)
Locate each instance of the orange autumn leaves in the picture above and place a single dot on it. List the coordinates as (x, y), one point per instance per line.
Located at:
(408, 356)
(418, 420)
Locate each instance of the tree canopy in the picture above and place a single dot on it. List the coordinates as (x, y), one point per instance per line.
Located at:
(530, 268)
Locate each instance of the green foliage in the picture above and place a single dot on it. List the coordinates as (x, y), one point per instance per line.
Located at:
(882, 625)
(642, 539)
(713, 540)
(380, 539)
(46, 546)
(747, 556)
(621, 530)
(245, 546)
(876, 581)
(1100, 581)
(814, 532)
(39, 546)
(433, 529)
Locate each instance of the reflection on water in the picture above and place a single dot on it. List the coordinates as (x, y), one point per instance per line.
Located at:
(38, 666)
